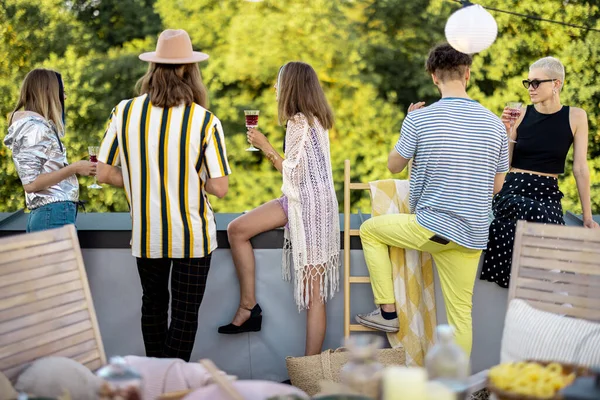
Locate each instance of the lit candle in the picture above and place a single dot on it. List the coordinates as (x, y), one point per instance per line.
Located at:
(404, 383)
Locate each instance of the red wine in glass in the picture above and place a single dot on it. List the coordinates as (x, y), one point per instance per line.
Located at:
(514, 108)
(93, 152)
(251, 122)
(514, 115)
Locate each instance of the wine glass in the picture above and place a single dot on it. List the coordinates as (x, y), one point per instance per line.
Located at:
(251, 122)
(514, 108)
(93, 152)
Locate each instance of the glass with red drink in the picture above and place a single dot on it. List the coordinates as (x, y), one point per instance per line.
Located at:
(93, 152)
(251, 122)
(514, 107)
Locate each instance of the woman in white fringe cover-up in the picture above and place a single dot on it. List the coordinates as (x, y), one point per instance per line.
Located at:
(308, 209)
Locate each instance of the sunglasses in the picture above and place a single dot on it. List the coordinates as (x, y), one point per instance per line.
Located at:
(535, 83)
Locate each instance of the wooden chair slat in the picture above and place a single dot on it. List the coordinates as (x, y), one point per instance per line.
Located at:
(87, 357)
(580, 256)
(24, 254)
(550, 286)
(565, 277)
(30, 263)
(548, 264)
(559, 298)
(36, 284)
(37, 318)
(65, 347)
(32, 240)
(36, 273)
(547, 231)
(44, 338)
(29, 300)
(44, 327)
(559, 244)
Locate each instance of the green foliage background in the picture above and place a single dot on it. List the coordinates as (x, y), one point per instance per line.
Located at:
(369, 55)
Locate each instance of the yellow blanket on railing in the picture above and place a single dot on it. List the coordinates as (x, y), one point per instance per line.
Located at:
(413, 278)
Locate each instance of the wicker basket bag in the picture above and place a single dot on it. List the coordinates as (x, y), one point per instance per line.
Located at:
(307, 372)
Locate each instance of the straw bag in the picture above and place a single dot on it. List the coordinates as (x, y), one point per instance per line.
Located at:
(307, 372)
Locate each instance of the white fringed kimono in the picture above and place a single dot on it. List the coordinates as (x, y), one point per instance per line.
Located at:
(312, 237)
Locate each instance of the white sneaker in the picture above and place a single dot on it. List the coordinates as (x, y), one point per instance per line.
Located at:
(375, 320)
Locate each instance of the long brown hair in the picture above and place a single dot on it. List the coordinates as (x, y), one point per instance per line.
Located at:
(299, 91)
(170, 85)
(40, 93)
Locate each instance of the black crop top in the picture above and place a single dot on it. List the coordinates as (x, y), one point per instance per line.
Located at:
(543, 141)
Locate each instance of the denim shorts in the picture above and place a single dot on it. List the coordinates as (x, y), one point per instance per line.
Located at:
(53, 215)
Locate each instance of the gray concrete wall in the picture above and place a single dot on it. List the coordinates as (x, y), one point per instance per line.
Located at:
(117, 297)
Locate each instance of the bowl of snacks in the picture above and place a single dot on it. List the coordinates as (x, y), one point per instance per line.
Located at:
(532, 380)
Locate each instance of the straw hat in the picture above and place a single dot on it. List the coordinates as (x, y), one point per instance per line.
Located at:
(174, 47)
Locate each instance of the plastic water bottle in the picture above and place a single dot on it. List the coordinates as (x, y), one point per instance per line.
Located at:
(447, 363)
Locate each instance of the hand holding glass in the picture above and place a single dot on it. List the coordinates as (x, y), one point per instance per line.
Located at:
(251, 122)
(93, 152)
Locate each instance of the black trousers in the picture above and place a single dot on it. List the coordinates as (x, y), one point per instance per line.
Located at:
(188, 281)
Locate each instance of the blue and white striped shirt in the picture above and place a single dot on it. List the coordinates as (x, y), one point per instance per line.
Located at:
(457, 146)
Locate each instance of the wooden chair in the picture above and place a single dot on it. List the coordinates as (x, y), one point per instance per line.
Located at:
(554, 265)
(348, 279)
(46, 308)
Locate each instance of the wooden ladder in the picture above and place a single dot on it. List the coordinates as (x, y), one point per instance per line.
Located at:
(348, 279)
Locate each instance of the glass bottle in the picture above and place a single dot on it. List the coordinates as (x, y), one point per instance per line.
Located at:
(120, 381)
(362, 373)
(447, 363)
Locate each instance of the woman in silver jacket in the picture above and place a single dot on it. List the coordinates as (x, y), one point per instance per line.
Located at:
(50, 183)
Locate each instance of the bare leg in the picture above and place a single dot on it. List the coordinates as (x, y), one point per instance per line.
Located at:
(316, 320)
(264, 218)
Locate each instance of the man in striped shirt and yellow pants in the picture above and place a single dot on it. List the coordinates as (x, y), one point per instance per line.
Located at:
(460, 156)
(168, 152)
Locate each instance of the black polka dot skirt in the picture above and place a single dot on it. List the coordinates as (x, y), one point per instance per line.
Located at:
(524, 196)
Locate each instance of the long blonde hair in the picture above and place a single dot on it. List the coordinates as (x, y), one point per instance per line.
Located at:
(299, 91)
(169, 85)
(40, 93)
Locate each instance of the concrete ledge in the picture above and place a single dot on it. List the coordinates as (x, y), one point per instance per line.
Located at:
(113, 230)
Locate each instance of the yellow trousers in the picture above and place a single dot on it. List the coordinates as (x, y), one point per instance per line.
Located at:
(456, 265)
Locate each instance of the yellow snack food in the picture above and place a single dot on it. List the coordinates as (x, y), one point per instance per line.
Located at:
(530, 378)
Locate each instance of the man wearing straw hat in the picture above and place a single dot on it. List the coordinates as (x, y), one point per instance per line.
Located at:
(168, 152)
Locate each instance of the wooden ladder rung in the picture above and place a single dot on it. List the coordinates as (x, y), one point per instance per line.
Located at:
(359, 279)
(359, 186)
(348, 233)
(361, 328)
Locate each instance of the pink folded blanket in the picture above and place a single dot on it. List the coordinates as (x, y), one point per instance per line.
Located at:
(165, 375)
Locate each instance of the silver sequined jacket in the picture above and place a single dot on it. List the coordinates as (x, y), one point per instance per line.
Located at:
(36, 149)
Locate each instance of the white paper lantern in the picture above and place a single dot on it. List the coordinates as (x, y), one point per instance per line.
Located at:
(471, 29)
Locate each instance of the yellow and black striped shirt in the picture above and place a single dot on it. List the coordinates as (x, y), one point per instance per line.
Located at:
(166, 156)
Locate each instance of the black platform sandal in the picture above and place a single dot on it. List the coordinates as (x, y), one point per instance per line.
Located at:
(253, 324)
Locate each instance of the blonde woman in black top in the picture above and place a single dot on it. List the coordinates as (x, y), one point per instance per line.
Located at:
(538, 146)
